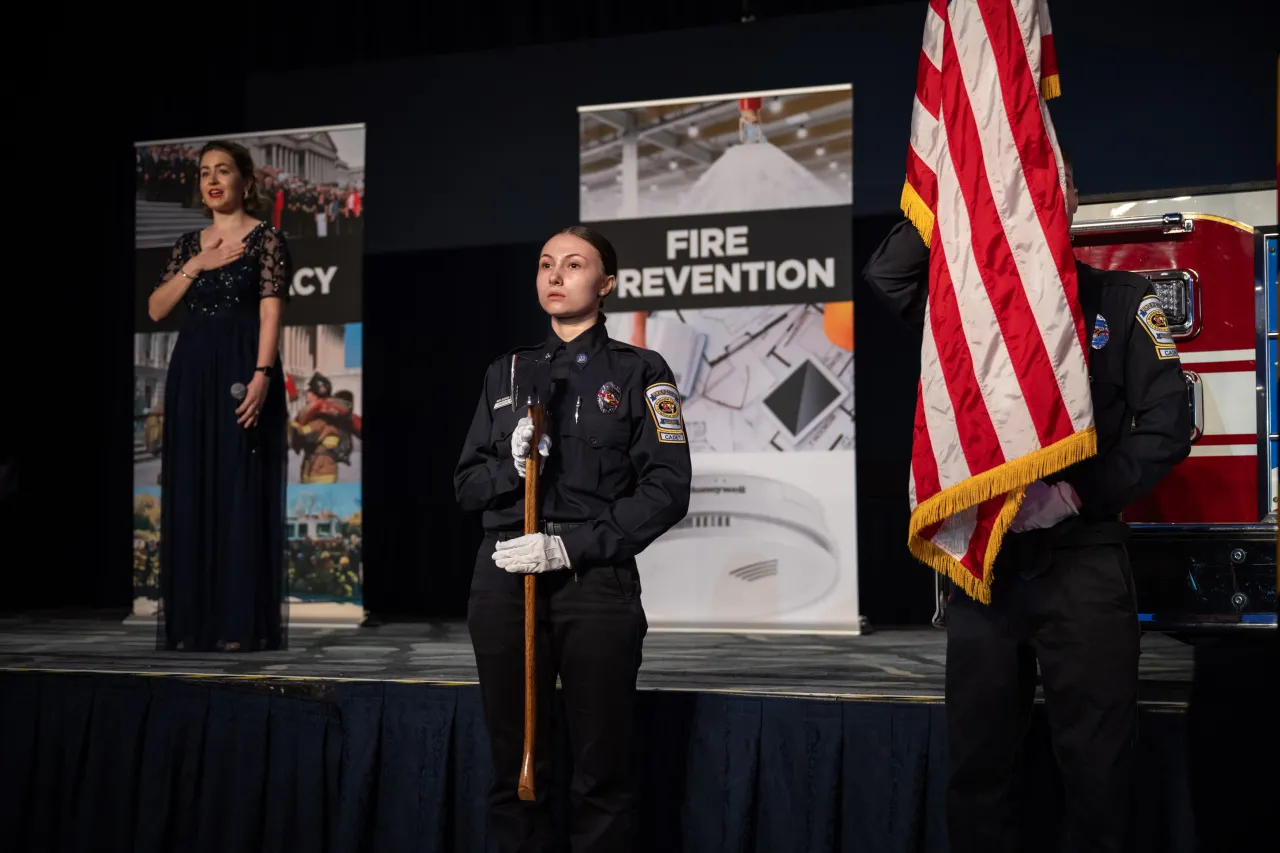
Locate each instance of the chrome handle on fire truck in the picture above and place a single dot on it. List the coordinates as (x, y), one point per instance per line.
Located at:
(1167, 223)
(1195, 400)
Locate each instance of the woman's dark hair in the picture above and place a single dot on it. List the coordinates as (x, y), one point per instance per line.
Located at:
(255, 202)
(608, 257)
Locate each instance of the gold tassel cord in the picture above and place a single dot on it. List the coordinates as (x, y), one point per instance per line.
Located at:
(1010, 479)
(1050, 87)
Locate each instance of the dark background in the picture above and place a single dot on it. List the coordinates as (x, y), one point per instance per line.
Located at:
(472, 161)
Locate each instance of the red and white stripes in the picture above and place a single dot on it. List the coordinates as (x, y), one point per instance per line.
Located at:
(1004, 387)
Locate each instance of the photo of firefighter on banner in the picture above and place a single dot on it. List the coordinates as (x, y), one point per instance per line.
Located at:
(731, 216)
(309, 185)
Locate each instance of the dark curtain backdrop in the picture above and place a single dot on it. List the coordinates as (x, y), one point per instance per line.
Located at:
(482, 148)
(140, 764)
(433, 323)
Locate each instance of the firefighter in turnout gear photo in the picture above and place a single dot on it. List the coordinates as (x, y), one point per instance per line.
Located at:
(614, 474)
(322, 432)
(1062, 593)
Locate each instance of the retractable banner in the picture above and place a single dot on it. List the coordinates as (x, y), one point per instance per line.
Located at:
(313, 180)
(732, 220)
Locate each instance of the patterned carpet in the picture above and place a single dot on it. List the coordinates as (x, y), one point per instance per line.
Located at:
(887, 664)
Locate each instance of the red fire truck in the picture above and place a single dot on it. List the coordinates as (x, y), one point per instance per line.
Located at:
(1204, 540)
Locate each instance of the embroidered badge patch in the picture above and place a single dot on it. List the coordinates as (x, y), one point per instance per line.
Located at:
(664, 405)
(1151, 318)
(1101, 332)
(609, 398)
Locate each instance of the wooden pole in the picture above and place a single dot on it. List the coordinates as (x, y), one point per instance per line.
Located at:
(526, 789)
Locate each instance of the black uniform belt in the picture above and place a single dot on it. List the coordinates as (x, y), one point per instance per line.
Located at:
(551, 528)
(1033, 549)
(1088, 532)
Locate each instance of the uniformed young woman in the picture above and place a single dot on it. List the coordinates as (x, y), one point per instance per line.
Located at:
(614, 477)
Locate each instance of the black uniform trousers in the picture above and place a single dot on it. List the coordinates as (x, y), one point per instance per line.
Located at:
(590, 630)
(1069, 605)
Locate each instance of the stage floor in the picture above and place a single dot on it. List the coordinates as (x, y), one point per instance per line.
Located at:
(904, 665)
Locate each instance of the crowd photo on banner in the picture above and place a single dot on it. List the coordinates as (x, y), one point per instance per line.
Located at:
(731, 218)
(329, 204)
(313, 183)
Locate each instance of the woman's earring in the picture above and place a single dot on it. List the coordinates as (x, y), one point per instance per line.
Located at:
(246, 192)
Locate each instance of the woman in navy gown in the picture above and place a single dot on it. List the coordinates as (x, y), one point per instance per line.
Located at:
(222, 506)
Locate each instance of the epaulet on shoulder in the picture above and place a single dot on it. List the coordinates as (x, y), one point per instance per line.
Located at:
(650, 357)
(1124, 278)
(638, 352)
(622, 346)
(506, 356)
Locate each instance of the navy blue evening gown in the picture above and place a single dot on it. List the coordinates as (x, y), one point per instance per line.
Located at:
(222, 505)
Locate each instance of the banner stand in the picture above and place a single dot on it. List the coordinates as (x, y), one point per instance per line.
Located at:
(732, 220)
(313, 179)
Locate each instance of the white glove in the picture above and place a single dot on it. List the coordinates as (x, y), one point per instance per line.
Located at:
(1043, 506)
(531, 553)
(520, 444)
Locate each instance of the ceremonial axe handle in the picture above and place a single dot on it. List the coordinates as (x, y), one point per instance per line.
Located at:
(526, 788)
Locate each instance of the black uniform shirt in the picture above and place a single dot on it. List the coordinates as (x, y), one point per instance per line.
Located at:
(1140, 409)
(619, 461)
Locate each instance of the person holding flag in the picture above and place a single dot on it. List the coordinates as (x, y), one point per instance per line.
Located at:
(1051, 396)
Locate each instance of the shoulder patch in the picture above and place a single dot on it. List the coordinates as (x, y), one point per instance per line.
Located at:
(664, 405)
(1152, 320)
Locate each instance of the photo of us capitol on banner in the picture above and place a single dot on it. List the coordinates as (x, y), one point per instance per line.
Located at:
(732, 220)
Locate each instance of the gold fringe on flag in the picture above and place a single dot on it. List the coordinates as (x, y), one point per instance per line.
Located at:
(1050, 87)
(1010, 479)
(914, 208)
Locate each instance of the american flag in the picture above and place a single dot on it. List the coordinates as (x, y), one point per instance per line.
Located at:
(1004, 397)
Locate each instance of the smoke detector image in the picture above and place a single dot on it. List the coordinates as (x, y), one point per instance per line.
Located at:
(749, 549)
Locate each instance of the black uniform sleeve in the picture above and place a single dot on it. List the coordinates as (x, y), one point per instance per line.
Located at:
(660, 453)
(899, 273)
(483, 474)
(1160, 437)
